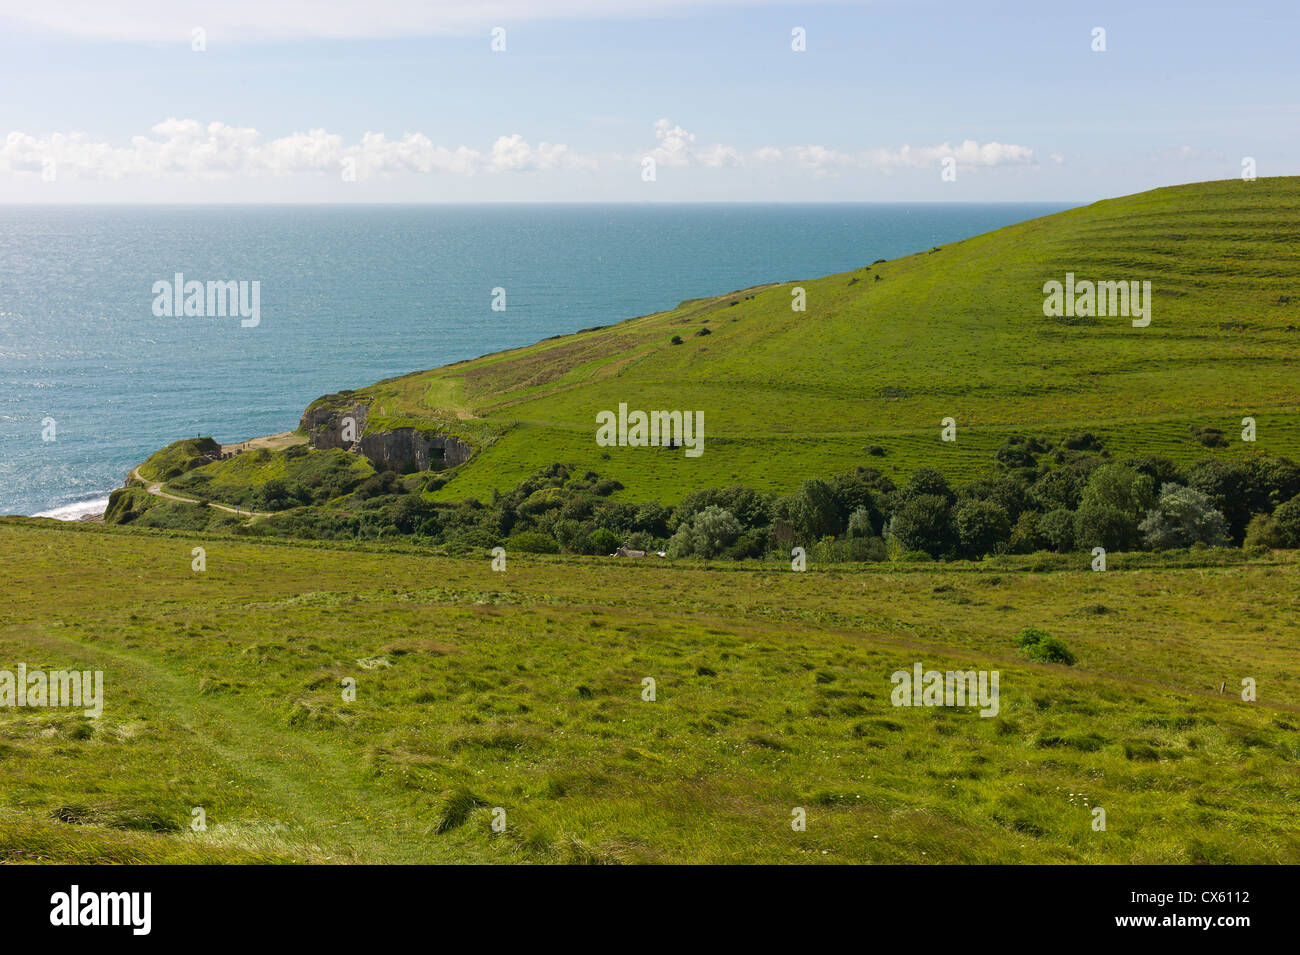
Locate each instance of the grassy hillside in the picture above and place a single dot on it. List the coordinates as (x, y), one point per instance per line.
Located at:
(522, 690)
(884, 353)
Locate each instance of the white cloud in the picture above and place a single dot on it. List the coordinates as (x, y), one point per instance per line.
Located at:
(820, 159)
(829, 162)
(677, 149)
(969, 153)
(186, 149)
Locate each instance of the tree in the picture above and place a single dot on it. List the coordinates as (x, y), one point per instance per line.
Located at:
(1099, 525)
(1025, 538)
(1120, 487)
(1286, 521)
(1061, 487)
(652, 518)
(929, 481)
(1057, 530)
(860, 524)
(857, 491)
(981, 526)
(748, 506)
(1161, 470)
(814, 510)
(1007, 492)
(1228, 485)
(410, 512)
(924, 523)
(708, 534)
(275, 495)
(1183, 517)
(1276, 481)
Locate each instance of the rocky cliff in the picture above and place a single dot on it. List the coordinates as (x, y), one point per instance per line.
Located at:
(339, 421)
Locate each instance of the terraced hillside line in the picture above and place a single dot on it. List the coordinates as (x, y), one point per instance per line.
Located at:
(322, 793)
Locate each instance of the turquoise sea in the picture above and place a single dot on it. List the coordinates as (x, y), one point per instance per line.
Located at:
(350, 295)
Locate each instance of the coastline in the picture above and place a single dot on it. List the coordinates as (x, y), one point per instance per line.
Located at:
(92, 509)
(87, 510)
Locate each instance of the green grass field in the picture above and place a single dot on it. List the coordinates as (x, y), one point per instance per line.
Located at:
(958, 331)
(523, 690)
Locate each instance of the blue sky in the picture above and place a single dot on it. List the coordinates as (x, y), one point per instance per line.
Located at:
(109, 102)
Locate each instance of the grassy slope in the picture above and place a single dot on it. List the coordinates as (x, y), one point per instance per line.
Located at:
(523, 689)
(955, 332)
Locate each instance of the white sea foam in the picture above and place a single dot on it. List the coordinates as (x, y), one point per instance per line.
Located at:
(75, 512)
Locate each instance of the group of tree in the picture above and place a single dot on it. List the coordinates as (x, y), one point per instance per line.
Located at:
(1038, 495)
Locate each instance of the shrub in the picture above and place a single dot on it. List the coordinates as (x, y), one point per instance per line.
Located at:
(751, 543)
(532, 542)
(410, 512)
(544, 499)
(603, 541)
(1286, 521)
(1183, 517)
(1028, 636)
(1015, 453)
(1041, 646)
(378, 485)
(1210, 437)
(1083, 441)
(277, 495)
(850, 550)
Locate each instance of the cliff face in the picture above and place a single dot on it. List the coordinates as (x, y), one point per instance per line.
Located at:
(402, 450)
(325, 424)
(406, 449)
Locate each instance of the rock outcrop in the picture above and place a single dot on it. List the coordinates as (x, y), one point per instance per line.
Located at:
(335, 425)
(408, 449)
(339, 422)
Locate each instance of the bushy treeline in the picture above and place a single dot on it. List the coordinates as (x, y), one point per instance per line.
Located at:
(1040, 495)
